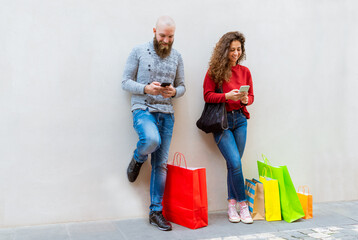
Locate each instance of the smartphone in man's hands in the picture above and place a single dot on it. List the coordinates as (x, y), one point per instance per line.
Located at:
(165, 84)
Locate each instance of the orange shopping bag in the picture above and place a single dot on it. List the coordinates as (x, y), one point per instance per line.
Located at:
(306, 201)
(185, 199)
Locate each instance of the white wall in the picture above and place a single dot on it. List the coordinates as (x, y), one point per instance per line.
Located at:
(66, 131)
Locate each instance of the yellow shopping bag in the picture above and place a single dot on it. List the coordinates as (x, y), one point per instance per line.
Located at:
(272, 198)
(305, 197)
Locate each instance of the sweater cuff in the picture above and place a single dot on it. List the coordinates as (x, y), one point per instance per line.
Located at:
(144, 89)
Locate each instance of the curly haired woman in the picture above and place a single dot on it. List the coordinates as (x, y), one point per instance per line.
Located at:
(226, 72)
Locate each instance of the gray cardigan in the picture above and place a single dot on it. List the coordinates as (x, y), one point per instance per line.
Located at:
(143, 67)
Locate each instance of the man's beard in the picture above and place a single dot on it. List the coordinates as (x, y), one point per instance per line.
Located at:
(162, 51)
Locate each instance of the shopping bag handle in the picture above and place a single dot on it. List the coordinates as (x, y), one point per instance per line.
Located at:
(304, 189)
(177, 159)
(265, 159)
(264, 174)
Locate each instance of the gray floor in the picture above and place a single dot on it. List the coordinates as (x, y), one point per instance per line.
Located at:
(330, 221)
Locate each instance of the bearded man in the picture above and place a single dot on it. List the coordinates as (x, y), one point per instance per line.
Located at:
(154, 75)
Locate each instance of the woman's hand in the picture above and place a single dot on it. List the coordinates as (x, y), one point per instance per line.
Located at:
(235, 95)
(245, 99)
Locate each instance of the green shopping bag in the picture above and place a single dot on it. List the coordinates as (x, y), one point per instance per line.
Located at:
(291, 208)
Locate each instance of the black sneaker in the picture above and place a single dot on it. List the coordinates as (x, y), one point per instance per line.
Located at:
(157, 219)
(133, 170)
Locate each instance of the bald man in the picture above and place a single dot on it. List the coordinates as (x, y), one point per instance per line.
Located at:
(154, 75)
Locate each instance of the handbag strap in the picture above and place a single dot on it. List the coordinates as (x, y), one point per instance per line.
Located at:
(177, 159)
(224, 123)
(219, 89)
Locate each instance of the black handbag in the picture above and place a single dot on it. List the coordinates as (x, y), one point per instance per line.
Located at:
(214, 117)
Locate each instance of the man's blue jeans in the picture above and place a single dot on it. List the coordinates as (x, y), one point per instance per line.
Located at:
(155, 133)
(231, 143)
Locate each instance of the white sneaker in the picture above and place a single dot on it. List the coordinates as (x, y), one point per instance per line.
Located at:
(232, 213)
(244, 213)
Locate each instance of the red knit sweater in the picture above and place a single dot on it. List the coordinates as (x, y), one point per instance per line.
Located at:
(240, 76)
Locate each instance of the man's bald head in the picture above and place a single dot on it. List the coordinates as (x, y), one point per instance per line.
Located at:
(165, 21)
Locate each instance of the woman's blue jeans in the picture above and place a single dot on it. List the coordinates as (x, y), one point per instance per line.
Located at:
(155, 133)
(231, 143)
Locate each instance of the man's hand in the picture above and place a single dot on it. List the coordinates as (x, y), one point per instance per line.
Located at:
(153, 89)
(235, 95)
(168, 91)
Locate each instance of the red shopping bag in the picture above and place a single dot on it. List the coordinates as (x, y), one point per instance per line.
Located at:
(185, 199)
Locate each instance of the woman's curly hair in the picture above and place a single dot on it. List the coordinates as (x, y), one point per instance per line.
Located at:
(220, 68)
